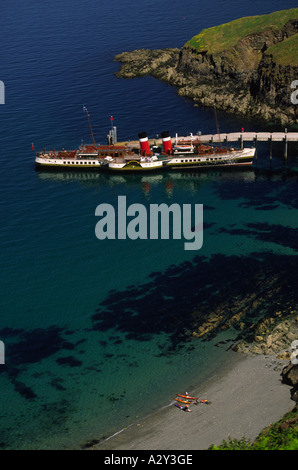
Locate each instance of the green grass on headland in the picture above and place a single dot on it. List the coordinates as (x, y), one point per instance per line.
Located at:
(285, 52)
(282, 435)
(225, 36)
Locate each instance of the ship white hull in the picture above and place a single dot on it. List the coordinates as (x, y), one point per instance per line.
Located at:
(190, 160)
(58, 163)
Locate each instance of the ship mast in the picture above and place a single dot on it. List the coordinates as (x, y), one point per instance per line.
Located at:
(217, 126)
(85, 109)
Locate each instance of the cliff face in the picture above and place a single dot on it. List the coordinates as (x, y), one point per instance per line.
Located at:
(246, 79)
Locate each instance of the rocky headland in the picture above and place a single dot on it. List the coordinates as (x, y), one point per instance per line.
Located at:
(274, 334)
(245, 67)
(263, 320)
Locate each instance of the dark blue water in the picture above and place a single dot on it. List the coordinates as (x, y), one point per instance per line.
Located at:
(98, 333)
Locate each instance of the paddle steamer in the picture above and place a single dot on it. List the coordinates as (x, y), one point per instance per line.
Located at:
(184, 153)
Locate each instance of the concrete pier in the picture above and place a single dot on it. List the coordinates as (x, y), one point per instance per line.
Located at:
(246, 137)
(242, 137)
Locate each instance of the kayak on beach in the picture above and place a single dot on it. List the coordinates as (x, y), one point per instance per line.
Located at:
(184, 401)
(186, 396)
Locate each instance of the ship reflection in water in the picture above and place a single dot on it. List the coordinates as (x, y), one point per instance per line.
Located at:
(192, 181)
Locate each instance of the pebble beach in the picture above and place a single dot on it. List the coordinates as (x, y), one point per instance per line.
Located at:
(245, 397)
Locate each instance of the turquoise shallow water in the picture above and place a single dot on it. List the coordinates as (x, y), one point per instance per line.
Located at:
(98, 333)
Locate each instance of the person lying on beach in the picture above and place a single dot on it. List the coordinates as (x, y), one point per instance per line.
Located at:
(183, 408)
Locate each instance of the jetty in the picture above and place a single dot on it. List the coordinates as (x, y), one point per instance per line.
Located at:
(246, 136)
(242, 137)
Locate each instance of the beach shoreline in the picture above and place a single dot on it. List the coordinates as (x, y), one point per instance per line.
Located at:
(246, 395)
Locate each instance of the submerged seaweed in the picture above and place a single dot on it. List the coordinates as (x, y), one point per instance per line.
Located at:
(185, 296)
(26, 347)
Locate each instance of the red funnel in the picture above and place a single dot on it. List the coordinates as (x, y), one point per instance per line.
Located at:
(167, 142)
(144, 143)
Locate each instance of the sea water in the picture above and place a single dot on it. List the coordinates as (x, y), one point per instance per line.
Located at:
(98, 333)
